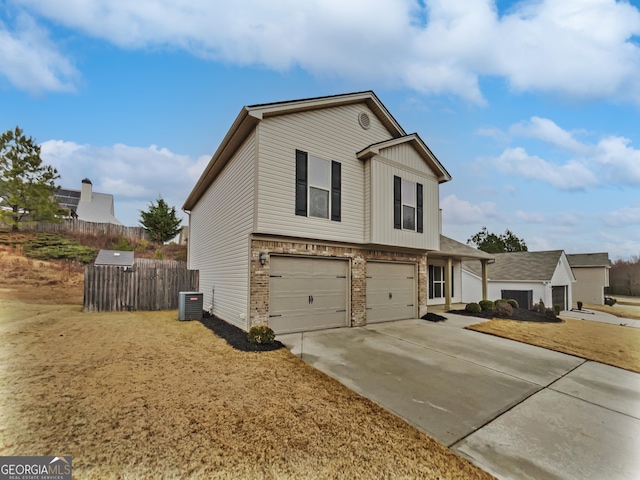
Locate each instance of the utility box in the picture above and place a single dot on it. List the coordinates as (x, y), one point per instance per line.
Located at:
(190, 306)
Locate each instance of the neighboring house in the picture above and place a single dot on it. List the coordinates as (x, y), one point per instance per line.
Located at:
(445, 268)
(592, 276)
(527, 277)
(87, 205)
(316, 213)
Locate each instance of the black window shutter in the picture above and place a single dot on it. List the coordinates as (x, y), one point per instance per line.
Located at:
(336, 180)
(419, 222)
(301, 183)
(397, 202)
(430, 282)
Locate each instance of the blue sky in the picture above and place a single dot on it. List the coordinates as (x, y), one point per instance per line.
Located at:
(532, 106)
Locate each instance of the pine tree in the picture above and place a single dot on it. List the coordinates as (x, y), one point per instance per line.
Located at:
(27, 186)
(160, 221)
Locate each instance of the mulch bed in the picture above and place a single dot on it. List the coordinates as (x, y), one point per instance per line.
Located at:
(433, 317)
(520, 314)
(236, 337)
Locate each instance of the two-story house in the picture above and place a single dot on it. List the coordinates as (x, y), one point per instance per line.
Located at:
(316, 213)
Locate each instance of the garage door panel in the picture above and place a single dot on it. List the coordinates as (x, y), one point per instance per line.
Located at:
(307, 294)
(391, 291)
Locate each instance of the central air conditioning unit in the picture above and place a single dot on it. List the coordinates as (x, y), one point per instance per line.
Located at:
(190, 306)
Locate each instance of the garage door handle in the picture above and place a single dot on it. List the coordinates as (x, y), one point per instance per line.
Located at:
(390, 295)
(310, 299)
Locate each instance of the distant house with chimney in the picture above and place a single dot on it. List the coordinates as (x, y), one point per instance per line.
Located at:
(87, 205)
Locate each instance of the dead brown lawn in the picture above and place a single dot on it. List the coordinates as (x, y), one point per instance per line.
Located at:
(611, 344)
(141, 395)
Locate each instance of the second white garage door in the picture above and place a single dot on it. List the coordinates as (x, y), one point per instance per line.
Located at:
(307, 293)
(391, 291)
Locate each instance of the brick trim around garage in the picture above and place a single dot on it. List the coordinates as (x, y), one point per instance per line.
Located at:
(358, 257)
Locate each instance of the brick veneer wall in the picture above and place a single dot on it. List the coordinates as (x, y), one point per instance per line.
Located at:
(259, 280)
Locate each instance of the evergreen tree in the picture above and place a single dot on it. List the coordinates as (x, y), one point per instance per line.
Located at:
(492, 243)
(27, 186)
(160, 221)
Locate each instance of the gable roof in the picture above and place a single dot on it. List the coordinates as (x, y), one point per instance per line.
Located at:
(521, 266)
(589, 260)
(251, 115)
(98, 210)
(452, 248)
(416, 142)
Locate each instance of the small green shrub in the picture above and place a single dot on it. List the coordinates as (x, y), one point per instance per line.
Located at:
(513, 302)
(557, 309)
(550, 313)
(158, 254)
(486, 304)
(473, 308)
(503, 309)
(261, 334)
(124, 245)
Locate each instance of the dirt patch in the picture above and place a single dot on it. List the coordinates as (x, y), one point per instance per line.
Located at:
(611, 344)
(142, 395)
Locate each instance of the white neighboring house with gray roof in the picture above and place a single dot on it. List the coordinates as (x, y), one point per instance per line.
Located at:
(88, 205)
(592, 276)
(526, 276)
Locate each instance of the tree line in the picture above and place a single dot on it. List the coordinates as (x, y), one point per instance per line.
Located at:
(624, 277)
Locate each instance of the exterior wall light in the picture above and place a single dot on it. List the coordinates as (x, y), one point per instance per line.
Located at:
(262, 258)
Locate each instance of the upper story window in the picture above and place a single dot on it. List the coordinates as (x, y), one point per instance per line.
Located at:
(407, 205)
(318, 187)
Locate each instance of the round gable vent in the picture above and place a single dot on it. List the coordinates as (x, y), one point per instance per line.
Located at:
(364, 120)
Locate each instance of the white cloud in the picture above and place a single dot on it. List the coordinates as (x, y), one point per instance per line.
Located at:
(618, 162)
(134, 175)
(547, 131)
(457, 211)
(571, 176)
(530, 217)
(612, 160)
(31, 62)
(628, 215)
(580, 48)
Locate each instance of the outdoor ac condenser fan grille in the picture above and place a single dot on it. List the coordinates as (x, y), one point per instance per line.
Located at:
(190, 306)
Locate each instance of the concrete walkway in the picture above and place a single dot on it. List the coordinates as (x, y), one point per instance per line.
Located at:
(515, 410)
(596, 316)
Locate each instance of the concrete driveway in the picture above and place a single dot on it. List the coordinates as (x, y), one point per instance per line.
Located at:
(515, 410)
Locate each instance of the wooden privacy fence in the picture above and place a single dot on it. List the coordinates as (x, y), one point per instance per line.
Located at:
(91, 228)
(112, 289)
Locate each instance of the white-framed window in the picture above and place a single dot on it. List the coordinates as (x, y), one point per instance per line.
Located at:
(319, 187)
(436, 281)
(408, 205)
(408, 208)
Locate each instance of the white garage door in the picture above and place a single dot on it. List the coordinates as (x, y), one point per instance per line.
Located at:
(391, 291)
(307, 293)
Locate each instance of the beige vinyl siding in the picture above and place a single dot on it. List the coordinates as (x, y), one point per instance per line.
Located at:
(331, 134)
(406, 155)
(590, 283)
(221, 223)
(382, 231)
